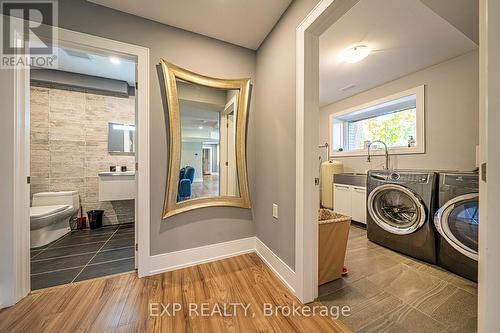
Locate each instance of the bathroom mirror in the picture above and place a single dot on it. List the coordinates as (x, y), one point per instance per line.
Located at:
(207, 120)
(121, 138)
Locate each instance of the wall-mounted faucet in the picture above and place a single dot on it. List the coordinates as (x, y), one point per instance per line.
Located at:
(327, 146)
(386, 153)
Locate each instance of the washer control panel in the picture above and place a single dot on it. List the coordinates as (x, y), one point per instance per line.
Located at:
(397, 177)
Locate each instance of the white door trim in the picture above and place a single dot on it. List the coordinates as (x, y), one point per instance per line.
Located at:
(21, 253)
(21, 236)
(489, 191)
(317, 21)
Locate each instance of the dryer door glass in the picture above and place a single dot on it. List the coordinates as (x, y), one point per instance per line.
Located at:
(459, 223)
(396, 209)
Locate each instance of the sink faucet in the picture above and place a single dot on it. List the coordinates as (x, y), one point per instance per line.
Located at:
(386, 153)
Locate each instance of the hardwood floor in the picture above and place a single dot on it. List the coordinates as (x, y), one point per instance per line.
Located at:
(209, 187)
(124, 303)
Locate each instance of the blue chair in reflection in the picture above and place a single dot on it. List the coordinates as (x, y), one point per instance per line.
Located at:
(186, 178)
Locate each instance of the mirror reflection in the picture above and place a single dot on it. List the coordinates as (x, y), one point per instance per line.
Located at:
(208, 134)
(121, 138)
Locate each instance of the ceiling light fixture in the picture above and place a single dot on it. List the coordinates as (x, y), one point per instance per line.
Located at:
(354, 54)
(115, 60)
(201, 127)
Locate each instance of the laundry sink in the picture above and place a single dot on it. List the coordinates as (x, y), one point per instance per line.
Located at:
(350, 178)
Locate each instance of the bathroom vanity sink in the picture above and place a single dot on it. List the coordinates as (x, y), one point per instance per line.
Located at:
(116, 173)
(353, 179)
(115, 186)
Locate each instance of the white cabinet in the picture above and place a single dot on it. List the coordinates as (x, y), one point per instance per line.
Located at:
(117, 186)
(351, 201)
(342, 199)
(358, 204)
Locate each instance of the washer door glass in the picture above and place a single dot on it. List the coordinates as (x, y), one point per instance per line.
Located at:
(396, 209)
(458, 223)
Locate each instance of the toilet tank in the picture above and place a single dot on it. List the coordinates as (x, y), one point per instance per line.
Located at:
(69, 198)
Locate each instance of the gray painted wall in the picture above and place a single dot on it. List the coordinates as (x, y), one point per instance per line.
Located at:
(194, 52)
(274, 100)
(451, 116)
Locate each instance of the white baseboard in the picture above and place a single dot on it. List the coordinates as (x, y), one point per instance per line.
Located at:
(190, 257)
(185, 258)
(278, 266)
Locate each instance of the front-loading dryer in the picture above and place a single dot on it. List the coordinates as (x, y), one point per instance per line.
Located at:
(400, 208)
(457, 221)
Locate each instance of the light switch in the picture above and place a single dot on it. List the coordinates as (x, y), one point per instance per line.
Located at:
(275, 211)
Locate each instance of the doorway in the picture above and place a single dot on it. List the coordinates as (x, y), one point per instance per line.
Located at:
(207, 160)
(82, 178)
(139, 230)
(323, 15)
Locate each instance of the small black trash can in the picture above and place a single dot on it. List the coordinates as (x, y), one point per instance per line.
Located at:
(95, 218)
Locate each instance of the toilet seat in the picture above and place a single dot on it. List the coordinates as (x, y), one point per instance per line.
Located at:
(42, 211)
(44, 216)
(51, 214)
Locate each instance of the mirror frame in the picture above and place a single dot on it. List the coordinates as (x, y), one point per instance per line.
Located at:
(170, 74)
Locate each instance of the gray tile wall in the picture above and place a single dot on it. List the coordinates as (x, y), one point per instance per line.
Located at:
(69, 144)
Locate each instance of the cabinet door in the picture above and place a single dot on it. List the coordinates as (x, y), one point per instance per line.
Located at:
(358, 204)
(342, 199)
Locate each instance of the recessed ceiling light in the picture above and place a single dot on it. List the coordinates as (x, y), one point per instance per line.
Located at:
(354, 54)
(115, 60)
(201, 127)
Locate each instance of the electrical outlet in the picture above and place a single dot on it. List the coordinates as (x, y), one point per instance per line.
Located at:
(275, 211)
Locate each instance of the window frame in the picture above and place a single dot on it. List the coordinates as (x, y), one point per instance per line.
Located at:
(419, 147)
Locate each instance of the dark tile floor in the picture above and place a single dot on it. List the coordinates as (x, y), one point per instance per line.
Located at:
(390, 292)
(83, 255)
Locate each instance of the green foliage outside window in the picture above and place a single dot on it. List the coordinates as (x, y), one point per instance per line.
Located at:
(395, 129)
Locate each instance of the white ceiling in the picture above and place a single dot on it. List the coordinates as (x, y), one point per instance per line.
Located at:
(405, 35)
(95, 64)
(463, 14)
(241, 22)
(196, 114)
(200, 121)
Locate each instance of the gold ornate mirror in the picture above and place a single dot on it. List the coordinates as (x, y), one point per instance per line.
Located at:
(207, 141)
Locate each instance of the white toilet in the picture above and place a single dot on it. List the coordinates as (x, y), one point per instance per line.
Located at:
(50, 215)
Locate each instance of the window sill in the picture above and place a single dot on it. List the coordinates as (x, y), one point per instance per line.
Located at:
(378, 152)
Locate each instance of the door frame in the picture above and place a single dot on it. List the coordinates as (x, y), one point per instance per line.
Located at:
(326, 13)
(307, 194)
(22, 161)
(489, 186)
(210, 158)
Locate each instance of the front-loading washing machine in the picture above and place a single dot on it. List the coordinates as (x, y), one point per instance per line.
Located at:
(457, 222)
(400, 208)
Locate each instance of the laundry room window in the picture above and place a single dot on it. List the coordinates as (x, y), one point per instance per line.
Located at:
(397, 120)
